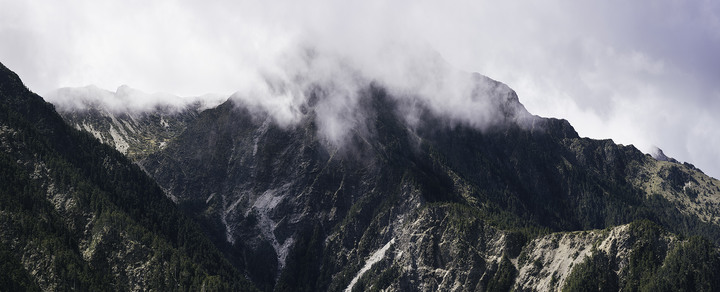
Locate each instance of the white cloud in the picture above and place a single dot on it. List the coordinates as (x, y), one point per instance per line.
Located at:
(640, 72)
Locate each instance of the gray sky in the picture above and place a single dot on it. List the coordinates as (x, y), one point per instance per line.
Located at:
(639, 72)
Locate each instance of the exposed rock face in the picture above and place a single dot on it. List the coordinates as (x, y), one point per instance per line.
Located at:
(135, 134)
(78, 215)
(426, 204)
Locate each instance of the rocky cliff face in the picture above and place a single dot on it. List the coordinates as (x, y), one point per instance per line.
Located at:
(77, 215)
(114, 119)
(133, 134)
(431, 204)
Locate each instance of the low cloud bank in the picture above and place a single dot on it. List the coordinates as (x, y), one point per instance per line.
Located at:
(331, 85)
(639, 72)
(125, 100)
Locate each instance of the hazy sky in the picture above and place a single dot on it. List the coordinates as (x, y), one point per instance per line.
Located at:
(639, 72)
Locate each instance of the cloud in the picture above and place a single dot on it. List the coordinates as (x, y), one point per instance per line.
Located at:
(334, 84)
(640, 72)
(125, 100)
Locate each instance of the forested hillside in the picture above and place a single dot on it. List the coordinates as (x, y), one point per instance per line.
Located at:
(76, 214)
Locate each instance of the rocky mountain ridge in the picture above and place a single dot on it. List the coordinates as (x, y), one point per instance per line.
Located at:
(77, 215)
(116, 119)
(269, 191)
(431, 204)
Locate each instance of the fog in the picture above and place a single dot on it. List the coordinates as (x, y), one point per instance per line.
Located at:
(332, 83)
(125, 100)
(639, 72)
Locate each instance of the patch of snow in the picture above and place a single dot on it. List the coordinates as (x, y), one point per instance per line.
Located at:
(211, 195)
(164, 123)
(374, 258)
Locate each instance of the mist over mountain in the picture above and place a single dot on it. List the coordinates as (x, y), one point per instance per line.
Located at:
(78, 215)
(326, 177)
(641, 73)
(124, 100)
(333, 86)
(349, 146)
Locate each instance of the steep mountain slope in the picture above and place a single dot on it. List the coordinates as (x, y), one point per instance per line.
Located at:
(435, 204)
(111, 117)
(77, 215)
(427, 195)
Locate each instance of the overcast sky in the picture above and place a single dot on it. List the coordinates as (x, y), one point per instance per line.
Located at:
(639, 72)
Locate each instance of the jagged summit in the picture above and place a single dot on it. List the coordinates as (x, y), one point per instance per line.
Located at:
(433, 190)
(77, 215)
(407, 191)
(658, 154)
(134, 122)
(336, 109)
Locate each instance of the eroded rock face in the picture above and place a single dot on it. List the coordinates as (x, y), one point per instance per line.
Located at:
(135, 134)
(420, 204)
(77, 215)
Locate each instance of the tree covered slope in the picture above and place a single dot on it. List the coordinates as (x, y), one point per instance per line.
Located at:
(76, 214)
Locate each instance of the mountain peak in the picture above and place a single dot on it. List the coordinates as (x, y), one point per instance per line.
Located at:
(469, 189)
(659, 155)
(9, 81)
(126, 90)
(61, 189)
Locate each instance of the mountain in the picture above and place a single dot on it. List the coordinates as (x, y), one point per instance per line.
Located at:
(431, 204)
(76, 214)
(120, 120)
